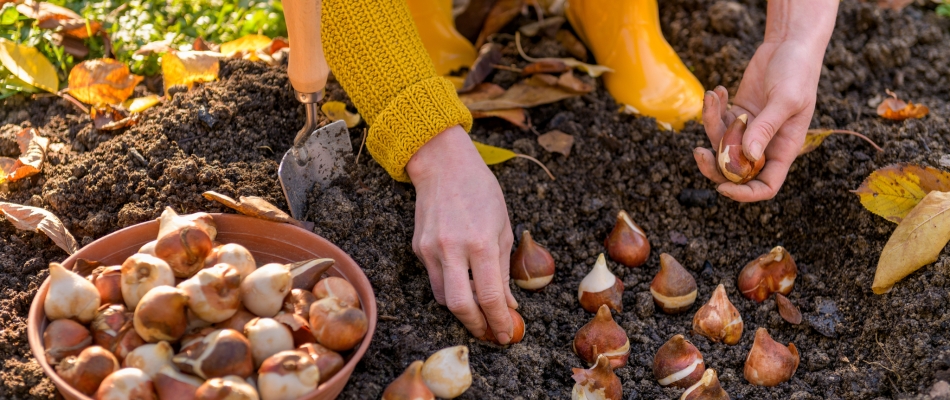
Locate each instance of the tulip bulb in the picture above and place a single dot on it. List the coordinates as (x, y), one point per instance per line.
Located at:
(769, 363)
(409, 385)
(264, 290)
(170, 221)
(774, 272)
(532, 266)
(160, 315)
(446, 372)
(148, 248)
(70, 296)
(227, 388)
(678, 363)
(223, 352)
(184, 249)
(108, 280)
(627, 244)
(602, 336)
(787, 310)
(150, 358)
(708, 388)
(328, 361)
(237, 321)
(194, 336)
(517, 332)
(87, 370)
(113, 329)
(174, 385)
(597, 383)
(336, 326)
(298, 326)
(267, 337)
(234, 255)
(127, 384)
(214, 294)
(733, 163)
(287, 375)
(600, 287)
(299, 302)
(141, 273)
(718, 319)
(673, 288)
(340, 288)
(64, 338)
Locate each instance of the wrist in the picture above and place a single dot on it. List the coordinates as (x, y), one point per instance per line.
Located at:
(449, 148)
(809, 22)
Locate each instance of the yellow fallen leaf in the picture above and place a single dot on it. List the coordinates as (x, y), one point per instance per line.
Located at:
(37, 219)
(496, 155)
(140, 104)
(336, 111)
(189, 67)
(814, 138)
(916, 242)
(102, 81)
(246, 46)
(592, 70)
(29, 65)
(891, 192)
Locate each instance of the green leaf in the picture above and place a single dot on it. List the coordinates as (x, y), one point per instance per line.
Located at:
(493, 155)
(9, 14)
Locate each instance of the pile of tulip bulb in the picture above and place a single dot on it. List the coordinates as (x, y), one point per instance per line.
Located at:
(189, 318)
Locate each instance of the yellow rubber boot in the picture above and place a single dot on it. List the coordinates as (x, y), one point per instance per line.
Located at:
(648, 75)
(448, 49)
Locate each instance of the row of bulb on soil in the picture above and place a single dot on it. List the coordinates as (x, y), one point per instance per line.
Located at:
(189, 318)
(604, 345)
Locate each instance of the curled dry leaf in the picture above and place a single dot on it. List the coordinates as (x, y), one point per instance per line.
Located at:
(572, 44)
(557, 142)
(336, 111)
(570, 82)
(32, 155)
(916, 242)
(246, 47)
(255, 207)
(592, 70)
(896, 109)
(488, 56)
(102, 81)
(516, 116)
(189, 67)
(28, 65)
(787, 310)
(501, 13)
(496, 155)
(537, 90)
(545, 66)
(37, 219)
(54, 17)
(108, 118)
(891, 192)
(814, 138)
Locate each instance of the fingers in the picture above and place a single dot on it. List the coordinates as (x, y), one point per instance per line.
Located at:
(506, 241)
(706, 160)
(712, 118)
(767, 184)
(723, 95)
(433, 268)
(763, 128)
(459, 298)
(490, 290)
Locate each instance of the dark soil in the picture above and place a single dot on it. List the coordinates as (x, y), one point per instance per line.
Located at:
(228, 136)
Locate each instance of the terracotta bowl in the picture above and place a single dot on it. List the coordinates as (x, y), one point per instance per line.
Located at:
(268, 241)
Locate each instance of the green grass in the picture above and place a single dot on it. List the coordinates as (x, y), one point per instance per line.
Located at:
(132, 24)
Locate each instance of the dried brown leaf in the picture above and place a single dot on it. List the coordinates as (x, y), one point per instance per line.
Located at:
(54, 17)
(787, 310)
(916, 242)
(488, 56)
(547, 66)
(253, 206)
(557, 142)
(102, 81)
(570, 82)
(32, 155)
(481, 92)
(896, 109)
(502, 12)
(37, 219)
(592, 70)
(894, 190)
(516, 116)
(572, 44)
(528, 93)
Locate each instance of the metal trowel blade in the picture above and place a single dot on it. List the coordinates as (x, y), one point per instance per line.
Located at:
(325, 150)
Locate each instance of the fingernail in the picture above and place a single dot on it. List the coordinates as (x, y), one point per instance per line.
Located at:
(698, 154)
(755, 148)
(503, 338)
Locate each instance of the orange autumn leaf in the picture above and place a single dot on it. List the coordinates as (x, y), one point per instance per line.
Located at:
(39, 220)
(893, 191)
(501, 13)
(896, 109)
(189, 67)
(108, 118)
(246, 46)
(516, 116)
(253, 206)
(102, 81)
(32, 155)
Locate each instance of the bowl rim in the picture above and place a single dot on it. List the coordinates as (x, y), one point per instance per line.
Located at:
(36, 317)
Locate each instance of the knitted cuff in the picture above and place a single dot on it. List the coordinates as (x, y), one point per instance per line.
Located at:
(414, 116)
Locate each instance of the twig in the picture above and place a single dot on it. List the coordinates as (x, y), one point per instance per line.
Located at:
(75, 102)
(362, 145)
(853, 133)
(507, 68)
(537, 162)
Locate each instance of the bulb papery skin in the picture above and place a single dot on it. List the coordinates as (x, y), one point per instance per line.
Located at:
(264, 290)
(517, 335)
(774, 272)
(335, 326)
(770, 363)
(214, 294)
(108, 280)
(307, 273)
(708, 388)
(150, 358)
(447, 373)
(227, 388)
(64, 338)
(602, 336)
(298, 326)
(127, 384)
(70, 296)
(532, 267)
(221, 353)
(170, 221)
(732, 162)
(627, 244)
(298, 302)
(184, 249)
(160, 315)
(172, 384)
(287, 375)
(140, 274)
(678, 363)
(718, 319)
(334, 286)
(597, 383)
(87, 370)
(409, 385)
(267, 337)
(674, 289)
(600, 287)
(148, 248)
(234, 255)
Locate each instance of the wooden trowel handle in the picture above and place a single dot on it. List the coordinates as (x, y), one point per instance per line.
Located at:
(308, 68)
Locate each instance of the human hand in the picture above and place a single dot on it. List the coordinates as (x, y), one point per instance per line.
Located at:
(778, 92)
(462, 224)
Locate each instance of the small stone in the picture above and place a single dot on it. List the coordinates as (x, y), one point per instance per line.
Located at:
(703, 198)
(206, 118)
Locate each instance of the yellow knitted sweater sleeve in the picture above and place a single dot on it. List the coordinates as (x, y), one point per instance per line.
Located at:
(375, 52)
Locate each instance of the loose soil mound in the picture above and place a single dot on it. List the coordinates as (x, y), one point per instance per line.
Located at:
(228, 136)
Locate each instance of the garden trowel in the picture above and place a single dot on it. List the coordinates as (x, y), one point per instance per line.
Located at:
(317, 155)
